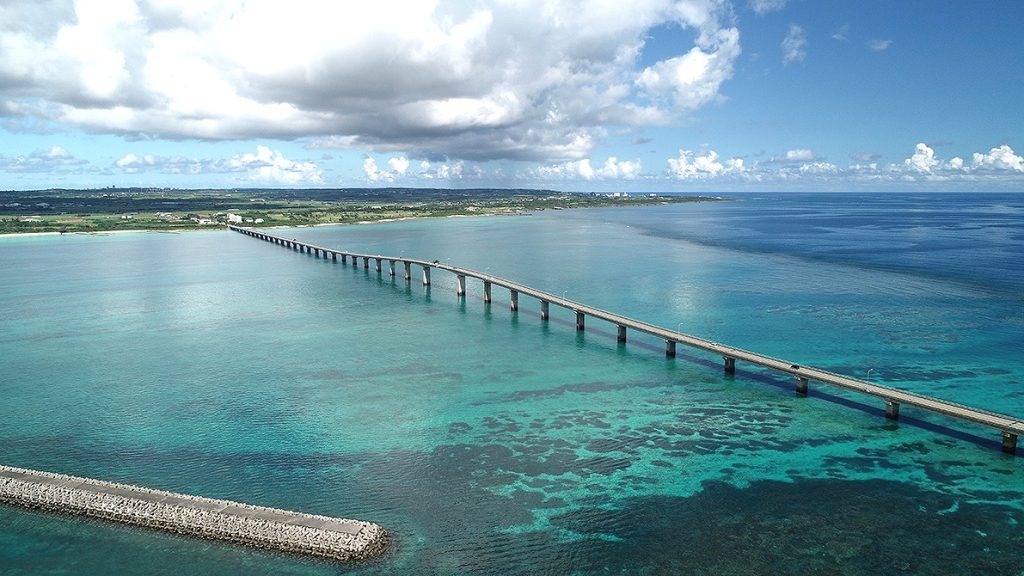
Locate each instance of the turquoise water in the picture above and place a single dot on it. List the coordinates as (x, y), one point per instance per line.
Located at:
(492, 442)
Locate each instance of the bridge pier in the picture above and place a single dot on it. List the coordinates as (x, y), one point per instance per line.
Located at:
(514, 297)
(344, 258)
(730, 365)
(544, 314)
(670, 348)
(391, 268)
(378, 264)
(487, 292)
(426, 275)
(334, 256)
(892, 409)
(580, 321)
(1009, 442)
(622, 333)
(366, 262)
(408, 271)
(801, 386)
(460, 290)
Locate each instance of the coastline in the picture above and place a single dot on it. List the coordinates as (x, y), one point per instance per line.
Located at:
(276, 227)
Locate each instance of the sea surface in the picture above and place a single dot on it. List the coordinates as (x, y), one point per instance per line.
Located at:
(491, 442)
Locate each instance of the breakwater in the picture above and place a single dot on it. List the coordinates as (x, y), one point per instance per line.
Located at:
(1009, 427)
(256, 526)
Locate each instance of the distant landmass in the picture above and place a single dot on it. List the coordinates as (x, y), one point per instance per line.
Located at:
(107, 209)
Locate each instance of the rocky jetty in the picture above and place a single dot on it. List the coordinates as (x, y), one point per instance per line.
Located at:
(257, 526)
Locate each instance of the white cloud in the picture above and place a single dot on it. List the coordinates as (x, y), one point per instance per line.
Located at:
(399, 165)
(538, 79)
(922, 160)
(955, 163)
(705, 164)
(693, 79)
(265, 166)
(53, 159)
(1001, 158)
(879, 45)
(818, 168)
(793, 45)
(375, 174)
(612, 169)
(843, 34)
(766, 6)
(271, 166)
(795, 156)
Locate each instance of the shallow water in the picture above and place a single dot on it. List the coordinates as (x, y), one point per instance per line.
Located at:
(492, 442)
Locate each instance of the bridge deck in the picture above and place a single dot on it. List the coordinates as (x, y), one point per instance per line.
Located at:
(1009, 425)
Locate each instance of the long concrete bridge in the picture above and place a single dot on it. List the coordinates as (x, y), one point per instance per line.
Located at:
(1010, 427)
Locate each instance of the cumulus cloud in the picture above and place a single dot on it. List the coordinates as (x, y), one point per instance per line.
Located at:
(612, 169)
(534, 80)
(53, 159)
(879, 45)
(1001, 158)
(793, 45)
(922, 160)
(264, 166)
(399, 165)
(693, 79)
(701, 165)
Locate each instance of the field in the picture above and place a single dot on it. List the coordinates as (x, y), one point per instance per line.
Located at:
(160, 209)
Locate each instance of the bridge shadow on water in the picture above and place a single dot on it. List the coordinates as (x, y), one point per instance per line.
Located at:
(596, 329)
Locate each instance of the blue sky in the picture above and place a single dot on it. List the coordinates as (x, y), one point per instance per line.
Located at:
(651, 95)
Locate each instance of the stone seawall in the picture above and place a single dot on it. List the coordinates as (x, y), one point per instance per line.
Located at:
(257, 526)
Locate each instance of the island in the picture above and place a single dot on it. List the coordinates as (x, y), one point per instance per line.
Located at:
(111, 209)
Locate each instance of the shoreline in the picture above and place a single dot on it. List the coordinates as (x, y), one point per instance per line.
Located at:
(282, 226)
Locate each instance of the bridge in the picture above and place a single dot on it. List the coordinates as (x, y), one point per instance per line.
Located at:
(1009, 427)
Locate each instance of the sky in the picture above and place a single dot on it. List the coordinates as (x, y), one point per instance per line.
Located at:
(645, 95)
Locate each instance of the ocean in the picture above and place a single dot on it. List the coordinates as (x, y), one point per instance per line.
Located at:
(491, 442)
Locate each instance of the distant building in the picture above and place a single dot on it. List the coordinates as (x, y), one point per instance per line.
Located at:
(258, 221)
(234, 219)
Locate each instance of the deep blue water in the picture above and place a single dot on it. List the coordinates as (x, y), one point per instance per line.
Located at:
(491, 442)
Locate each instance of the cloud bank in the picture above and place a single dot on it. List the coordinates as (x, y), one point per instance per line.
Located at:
(537, 80)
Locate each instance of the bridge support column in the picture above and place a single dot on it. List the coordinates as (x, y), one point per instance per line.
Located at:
(730, 365)
(580, 320)
(366, 262)
(391, 268)
(544, 314)
(892, 409)
(670, 348)
(460, 290)
(344, 258)
(622, 333)
(1009, 442)
(426, 275)
(334, 256)
(378, 264)
(801, 386)
(408, 271)
(487, 292)
(514, 297)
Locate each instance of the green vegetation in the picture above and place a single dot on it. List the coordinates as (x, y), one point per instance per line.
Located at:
(160, 209)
